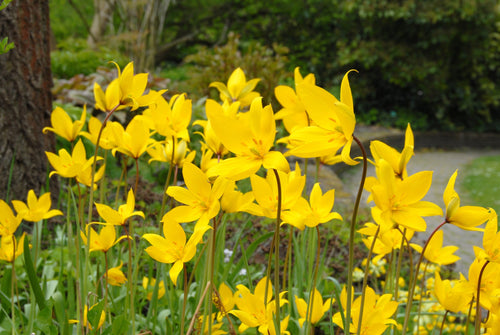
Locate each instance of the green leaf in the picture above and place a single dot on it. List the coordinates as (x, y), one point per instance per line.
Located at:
(43, 321)
(5, 46)
(4, 4)
(120, 324)
(94, 314)
(30, 270)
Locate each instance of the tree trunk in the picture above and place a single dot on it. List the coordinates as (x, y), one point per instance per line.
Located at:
(25, 98)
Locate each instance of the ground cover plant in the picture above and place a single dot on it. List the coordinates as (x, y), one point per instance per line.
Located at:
(116, 258)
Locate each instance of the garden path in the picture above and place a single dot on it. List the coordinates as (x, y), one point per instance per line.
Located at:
(444, 164)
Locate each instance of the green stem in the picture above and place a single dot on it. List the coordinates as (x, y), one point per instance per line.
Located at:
(422, 288)
(91, 206)
(365, 280)
(12, 290)
(398, 268)
(184, 303)
(415, 278)
(277, 254)
(136, 175)
(352, 231)
(478, 305)
(167, 181)
(312, 291)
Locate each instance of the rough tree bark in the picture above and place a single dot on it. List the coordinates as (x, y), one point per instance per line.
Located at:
(25, 98)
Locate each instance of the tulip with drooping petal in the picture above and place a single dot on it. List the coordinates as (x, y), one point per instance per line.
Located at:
(319, 308)
(436, 253)
(118, 217)
(102, 241)
(465, 217)
(173, 248)
(8, 221)
(11, 248)
(454, 298)
(63, 126)
(115, 276)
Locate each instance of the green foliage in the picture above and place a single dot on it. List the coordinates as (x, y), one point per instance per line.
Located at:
(65, 21)
(434, 59)
(256, 60)
(73, 57)
(5, 46)
(481, 181)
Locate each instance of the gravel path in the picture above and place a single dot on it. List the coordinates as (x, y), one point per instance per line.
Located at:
(443, 163)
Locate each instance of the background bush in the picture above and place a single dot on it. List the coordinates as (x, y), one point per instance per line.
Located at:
(433, 63)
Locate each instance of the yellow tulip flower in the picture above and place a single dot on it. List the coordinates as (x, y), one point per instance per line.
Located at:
(63, 126)
(162, 152)
(69, 166)
(172, 118)
(256, 309)
(118, 217)
(454, 298)
(226, 302)
(490, 282)
(233, 201)
(203, 321)
(250, 136)
(436, 253)
(173, 248)
(319, 308)
(8, 221)
(126, 90)
(491, 241)
(212, 142)
(149, 285)
(102, 241)
(334, 119)
(36, 209)
(115, 276)
(107, 140)
(11, 248)
(265, 191)
(397, 160)
(237, 88)
(317, 210)
(200, 199)
(134, 140)
(400, 200)
(293, 113)
(465, 217)
(377, 311)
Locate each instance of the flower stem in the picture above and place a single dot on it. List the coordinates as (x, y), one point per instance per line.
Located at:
(415, 278)
(310, 305)
(184, 302)
(365, 280)
(350, 267)
(277, 254)
(478, 305)
(12, 281)
(442, 323)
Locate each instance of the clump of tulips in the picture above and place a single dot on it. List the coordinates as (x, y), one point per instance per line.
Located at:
(117, 266)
